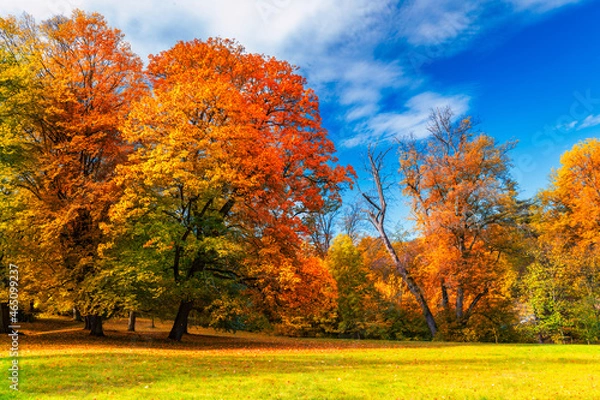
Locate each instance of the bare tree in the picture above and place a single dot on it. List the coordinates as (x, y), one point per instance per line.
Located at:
(322, 227)
(376, 211)
(352, 221)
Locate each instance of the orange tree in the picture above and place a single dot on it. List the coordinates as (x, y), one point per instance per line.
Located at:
(463, 200)
(230, 155)
(77, 77)
(562, 285)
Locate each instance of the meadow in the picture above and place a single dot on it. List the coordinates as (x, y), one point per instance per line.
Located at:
(59, 360)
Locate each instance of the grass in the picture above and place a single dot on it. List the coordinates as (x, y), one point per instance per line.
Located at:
(59, 361)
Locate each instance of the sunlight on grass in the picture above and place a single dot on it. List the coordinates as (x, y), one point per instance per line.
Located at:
(59, 361)
(413, 372)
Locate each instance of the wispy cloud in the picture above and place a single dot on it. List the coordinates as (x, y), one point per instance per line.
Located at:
(431, 22)
(540, 6)
(591, 120)
(412, 121)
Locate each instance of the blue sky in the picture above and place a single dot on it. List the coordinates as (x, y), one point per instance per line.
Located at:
(526, 69)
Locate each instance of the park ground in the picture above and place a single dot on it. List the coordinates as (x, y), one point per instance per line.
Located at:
(58, 360)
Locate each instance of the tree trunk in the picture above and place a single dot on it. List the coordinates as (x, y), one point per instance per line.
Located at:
(88, 324)
(96, 325)
(4, 318)
(445, 298)
(412, 285)
(131, 323)
(181, 320)
(460, 295)
(76, 315)
(152, 323)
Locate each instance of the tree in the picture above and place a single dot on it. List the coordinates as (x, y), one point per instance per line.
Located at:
(562, 284)
(230, 154)
(81, 79)
(377, 213)
(462, 199)
(321, 224)
(361, 307)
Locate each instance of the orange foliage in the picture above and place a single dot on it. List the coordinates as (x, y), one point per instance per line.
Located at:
(462, 199)
(230, 147)
(84, 77)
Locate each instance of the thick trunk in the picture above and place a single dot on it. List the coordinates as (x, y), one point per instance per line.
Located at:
(181, 320)
(4, 318)
(131, 323)
(88, 324)
(77, 315)
(445, 298)
(96, 325)
(473, 304)
(460, 295)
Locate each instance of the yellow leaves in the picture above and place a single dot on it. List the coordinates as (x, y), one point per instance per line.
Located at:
(572, 203)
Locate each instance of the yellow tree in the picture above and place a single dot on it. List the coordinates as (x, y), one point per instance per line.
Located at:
(562, 285)
(84, 79)
(230, 154)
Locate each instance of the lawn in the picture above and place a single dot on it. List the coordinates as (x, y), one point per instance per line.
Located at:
(59, 361)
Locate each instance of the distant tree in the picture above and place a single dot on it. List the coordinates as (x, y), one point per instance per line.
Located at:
(321, 225)
(360, 306)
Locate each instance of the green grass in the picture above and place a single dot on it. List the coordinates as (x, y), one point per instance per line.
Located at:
(129, 366)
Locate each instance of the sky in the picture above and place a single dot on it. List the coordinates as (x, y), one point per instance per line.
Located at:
(526, 70)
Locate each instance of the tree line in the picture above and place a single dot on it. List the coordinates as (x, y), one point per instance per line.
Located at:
(204, 186)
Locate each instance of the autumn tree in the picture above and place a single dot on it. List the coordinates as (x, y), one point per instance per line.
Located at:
(230, 155)
(463, 201)
(78, 77)
(562, 285)
(362, 309)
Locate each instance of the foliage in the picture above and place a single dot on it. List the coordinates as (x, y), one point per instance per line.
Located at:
(361, 308)
(68, 89)
(562, 285)
(229, 154)
(463, 200)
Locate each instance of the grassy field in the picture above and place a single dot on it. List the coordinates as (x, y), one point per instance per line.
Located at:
(59, 361)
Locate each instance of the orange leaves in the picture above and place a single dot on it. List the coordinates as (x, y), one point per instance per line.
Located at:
(81, 78)
(570, 209)
(575, 191)
(462, 199)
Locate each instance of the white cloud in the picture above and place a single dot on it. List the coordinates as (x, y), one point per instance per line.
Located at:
(591, 120)
(431, 22)
(412, 121)
(539, 6)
